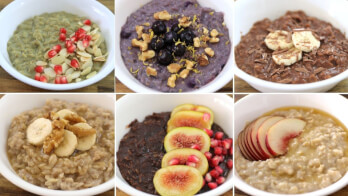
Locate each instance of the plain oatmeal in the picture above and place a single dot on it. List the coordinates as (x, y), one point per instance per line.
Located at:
(315, 159)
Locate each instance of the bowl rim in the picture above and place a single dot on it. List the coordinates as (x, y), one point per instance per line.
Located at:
(106, 69)
(274, 86)
(135, 85)
(243, 186)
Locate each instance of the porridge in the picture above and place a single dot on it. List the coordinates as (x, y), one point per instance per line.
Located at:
(57, 48)
(314, 158)
(293, 49)
(63, 145)
(175, 46)
(152, 140)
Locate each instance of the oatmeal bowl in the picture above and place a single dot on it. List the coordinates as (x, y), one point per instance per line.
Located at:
(63, 45)
(292, 46)
(174, 46)
(58, 144)
(182, 137)
(291, 144)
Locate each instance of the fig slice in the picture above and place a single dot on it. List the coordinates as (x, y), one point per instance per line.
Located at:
(189, 119)
(187, 137)
(191, 107)
(178, 180)
(183, 155)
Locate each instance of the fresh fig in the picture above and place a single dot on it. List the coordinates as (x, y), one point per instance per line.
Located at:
(186, 155)
(189, 119)
(197, 108)
(178, 180)
(187, 137)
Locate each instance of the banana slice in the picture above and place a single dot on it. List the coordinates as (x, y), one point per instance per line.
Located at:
(279, 40)
(86, 142)
(305, 41)
(287, 57)
(67, 147)
(62, 113)
(38, 130)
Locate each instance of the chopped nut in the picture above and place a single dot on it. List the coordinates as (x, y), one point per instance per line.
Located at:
(203, 60)
(139, 30)
(205, 38)
(146, 24)
(184, 73)
(171, 81)
(189, 65)
(163, 15)
(174, 67)
(141, 44)
(151, 71)
(146, 38)
(196, 42)
(81, 131)
(209, 52)
(205, 31)
(214, 40)
(184, 21)
(214, 33)
(41, 63)
(147, 55)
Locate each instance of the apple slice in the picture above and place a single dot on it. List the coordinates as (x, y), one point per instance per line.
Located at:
(262, 131)
(248, 142)
(278, 136)
(253, 136)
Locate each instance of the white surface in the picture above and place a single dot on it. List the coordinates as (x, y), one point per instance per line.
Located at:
(13, 104)
(252, 106)
(138, 106)
(124, 9)
(247, 12)
(20, 10)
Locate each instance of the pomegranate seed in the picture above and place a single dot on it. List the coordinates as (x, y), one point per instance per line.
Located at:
(212, 185)
(57, 48)
(63, 80)
(203, 183)
(196, 146)
(208, 155)
(208, 177)
(74, 63)
(85, 43)
(57, 80)
(226, 144)
(174, 161)
(214, 173)
(68, 43)
(80, 33)
(229, 163)
(63, 30)
(88, 37)
(219, 143)
(219, 135)
(71, 49)
(51, 53)
(230, 151)
(191, 164)
(224, 151)
(58, 69)
(37, 76)
(206, 116)
(39, 69)
(220, 180)
(43, 79)
(219, 169)
(73, 39)
(214, 143)
(87, 22)
(217, 150)
(209, 132)
(193, 158)
(215, 161)
(62, 37)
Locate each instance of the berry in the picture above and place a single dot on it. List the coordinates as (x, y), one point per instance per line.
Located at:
(174, 161)
(208, 177)
(58, 69)
(209, 132)
(63, 80)
(212, 185)
(219, 169)
(51, 53)
(62, 37)
(157, 43)
(125, 34)
(215, 161)
(74, 63)
(43, 79)
(196, 146)
(214, 143)
(170, 37)
(193, 159)
(88, 37)
(57, 80)
(159, 27)
(214, 173)
(187, 36)
(175, 27)
(73, 39)
(37, 76)
(230, 151)
(220, 180)
(87, 22)
(85, 43)
(179, 50)
(229, 163)
(71, 49)
(39, 69)
(170, 47)
(219, 135)
(208, 155)
(68, 43)
(57, 48)
(80, 33)
(218, 150)
(226, 144)
(165, 57)
(62, 30)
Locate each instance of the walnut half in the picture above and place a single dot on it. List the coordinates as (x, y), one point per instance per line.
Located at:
(163, 15)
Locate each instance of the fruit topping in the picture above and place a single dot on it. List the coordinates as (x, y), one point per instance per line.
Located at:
(170, 37)
(175, 27)
(179, 49)
(188, 119)
(197, 108)
(157, 43)
(165, 57)
(187, 36)
(158, 27)
(38, 130)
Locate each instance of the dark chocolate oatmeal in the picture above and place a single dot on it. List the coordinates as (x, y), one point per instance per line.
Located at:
(331, 58)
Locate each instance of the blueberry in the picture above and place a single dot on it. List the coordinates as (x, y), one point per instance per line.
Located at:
(191, 83)
(175, 27)
(170, 48)
(187, 36)
(159, 27)
(179, 50)
(170, 37)
(157, 43)
(165, 57)
(188, 3)
(125, 34)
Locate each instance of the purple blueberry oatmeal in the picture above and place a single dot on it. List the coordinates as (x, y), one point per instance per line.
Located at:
(175, 46)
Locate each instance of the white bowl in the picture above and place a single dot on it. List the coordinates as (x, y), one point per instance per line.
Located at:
(124, 9)
(18, 11)
(13, 104)
(247, 12)
(252, 106)
(138, 106)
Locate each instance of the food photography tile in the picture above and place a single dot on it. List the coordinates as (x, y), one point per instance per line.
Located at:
(291, 144)
(177, 144)
(57, 144)
(174, 46)
(60, 47)
(291, 46)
